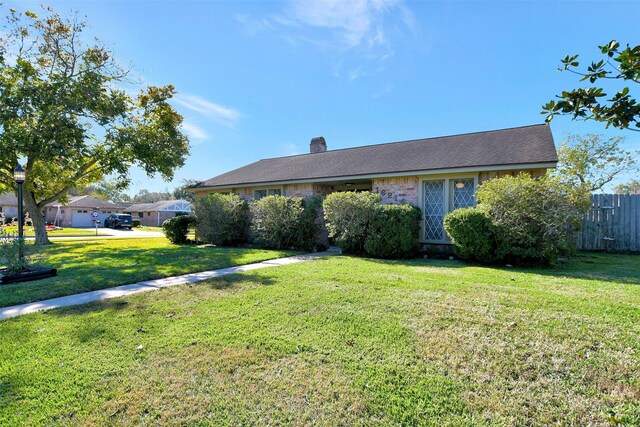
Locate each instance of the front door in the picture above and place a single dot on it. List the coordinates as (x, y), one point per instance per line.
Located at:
(434, 210)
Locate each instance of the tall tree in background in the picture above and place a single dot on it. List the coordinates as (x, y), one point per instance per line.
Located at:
(591, 161)
(632, 187)
(621, 110)
(65, 115)
(182, 193)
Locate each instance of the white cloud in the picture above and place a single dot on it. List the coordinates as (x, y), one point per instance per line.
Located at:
(355, 23)
(195, 132)
(225, 115)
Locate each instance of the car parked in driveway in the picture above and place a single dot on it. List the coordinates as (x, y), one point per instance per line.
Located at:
(119, 221)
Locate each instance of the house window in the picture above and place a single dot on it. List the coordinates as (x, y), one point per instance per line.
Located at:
(440, 196)
(259, 194)
(433, 193)
(141, 214)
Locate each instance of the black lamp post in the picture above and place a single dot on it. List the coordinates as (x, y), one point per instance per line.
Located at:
(20, 175)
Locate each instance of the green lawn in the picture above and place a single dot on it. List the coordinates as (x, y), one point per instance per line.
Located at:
(65, 232)
(340, 341)
(98, 264)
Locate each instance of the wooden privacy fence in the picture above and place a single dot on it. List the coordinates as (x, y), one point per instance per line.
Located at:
(613, 224)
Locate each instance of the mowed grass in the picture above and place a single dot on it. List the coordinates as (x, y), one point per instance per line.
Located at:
(341, 341)
(65, 232)
(97, 264)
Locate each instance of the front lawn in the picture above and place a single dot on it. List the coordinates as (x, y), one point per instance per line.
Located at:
(65, 232)
(98, 264)
(340, 341)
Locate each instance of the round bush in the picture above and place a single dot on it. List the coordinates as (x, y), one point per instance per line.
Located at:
(281, 223)
(136, 223)
(222, 219)
(176, 228)
(348, 215)
(393, 231)
(473, 234)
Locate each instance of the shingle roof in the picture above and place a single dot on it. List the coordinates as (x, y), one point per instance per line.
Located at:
(86, 202)
(522, 145)
(8, 199)
(157, 206)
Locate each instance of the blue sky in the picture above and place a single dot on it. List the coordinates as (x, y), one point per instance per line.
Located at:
(260, 79)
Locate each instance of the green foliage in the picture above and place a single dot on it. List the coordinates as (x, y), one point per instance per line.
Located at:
(621, 110)
(632, 187)
(535, 218)
(10, 256)
(221, 219)
(64, 111)
(393, 231)
(136, 223)
(348, 215)
(176, 228)
(281, 222)
(473, 234)
(591, 162)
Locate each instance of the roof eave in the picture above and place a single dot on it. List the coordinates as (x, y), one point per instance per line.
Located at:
(487, 168)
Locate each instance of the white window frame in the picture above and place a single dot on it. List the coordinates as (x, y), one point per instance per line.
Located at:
(448, 198)
(267, 189)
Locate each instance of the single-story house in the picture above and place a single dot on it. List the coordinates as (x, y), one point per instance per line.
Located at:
(436, 174)
(9, 205)
(78, 212)
(154, 214)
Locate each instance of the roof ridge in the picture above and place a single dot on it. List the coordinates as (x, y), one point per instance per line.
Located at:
(403, 141)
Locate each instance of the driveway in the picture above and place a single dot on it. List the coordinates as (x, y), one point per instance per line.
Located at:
(123, 232)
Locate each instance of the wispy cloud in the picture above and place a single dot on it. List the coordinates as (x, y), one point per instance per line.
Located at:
(352, 24)
(361, 35)
(224, 115)
(195, 132)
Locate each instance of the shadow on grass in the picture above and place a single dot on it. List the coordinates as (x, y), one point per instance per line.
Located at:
(88, 266)
(591, 266)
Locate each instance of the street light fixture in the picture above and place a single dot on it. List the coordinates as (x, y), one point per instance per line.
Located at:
(20, 176)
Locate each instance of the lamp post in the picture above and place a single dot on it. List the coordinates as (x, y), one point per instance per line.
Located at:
(20, 175)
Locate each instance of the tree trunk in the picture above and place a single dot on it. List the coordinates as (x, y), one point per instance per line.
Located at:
(39, 226)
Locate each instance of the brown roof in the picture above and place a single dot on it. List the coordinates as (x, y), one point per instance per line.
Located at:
(515, 146)
(86, 202)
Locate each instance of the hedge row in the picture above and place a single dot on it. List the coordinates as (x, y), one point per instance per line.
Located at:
(360, 224)
(356, 221)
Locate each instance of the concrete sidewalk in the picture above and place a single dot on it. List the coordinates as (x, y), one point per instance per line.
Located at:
(151, 285)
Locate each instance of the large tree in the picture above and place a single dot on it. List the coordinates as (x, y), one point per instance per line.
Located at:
(619, 67)
(66, 116)
(631, 187)
(592, 161)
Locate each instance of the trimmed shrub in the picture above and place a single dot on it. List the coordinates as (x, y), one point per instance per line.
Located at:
(221, 219)
(136, 223)
(535, 218)
(348, 215)
(473, 234)
(176, 228)
(393, 231)
(310, 235)
(281, 222)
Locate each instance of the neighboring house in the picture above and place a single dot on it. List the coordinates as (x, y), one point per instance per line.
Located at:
(436, 174)
(9, 205)
(78, 212)
(154, 214)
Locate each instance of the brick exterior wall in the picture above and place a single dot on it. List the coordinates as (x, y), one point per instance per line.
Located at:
(397, 190)
(152, 219)
(306, 190)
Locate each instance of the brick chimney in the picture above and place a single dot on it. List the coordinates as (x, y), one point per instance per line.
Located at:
(318, 145)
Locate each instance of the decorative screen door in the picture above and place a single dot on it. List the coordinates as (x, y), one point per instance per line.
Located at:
(434, 210)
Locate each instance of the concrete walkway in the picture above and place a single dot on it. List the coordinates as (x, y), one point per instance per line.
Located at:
(152, 285)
